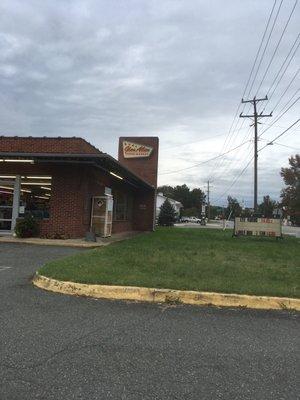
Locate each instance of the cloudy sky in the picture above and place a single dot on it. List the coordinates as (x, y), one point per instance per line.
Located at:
(174, 69)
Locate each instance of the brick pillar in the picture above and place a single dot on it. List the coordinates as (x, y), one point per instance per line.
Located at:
(140, 155)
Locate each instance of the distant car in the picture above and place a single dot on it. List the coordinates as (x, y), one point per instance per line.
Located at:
(191, 219)
(185, 219)
(195, 220)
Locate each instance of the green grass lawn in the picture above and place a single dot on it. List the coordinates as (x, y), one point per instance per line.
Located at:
(189, 259)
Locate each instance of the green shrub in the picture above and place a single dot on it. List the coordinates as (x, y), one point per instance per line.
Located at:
(27, 227)
(167, 215)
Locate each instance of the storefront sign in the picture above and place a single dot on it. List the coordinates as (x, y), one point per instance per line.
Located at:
(257, 227)
(135, 150)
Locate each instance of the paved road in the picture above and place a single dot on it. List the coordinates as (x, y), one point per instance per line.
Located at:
(62, 347)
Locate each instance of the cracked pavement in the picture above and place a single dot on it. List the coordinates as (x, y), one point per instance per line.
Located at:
(61, 347)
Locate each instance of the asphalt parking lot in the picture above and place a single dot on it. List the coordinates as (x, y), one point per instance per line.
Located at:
(61, 347)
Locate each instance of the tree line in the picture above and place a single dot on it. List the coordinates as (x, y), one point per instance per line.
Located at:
(193, 199)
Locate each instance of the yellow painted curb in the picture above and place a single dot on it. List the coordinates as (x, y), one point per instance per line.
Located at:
(166, 295)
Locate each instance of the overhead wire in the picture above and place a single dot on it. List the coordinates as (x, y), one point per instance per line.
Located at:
(247, 165)
(282, 113)
(281, 134)
(284, 66)
(269, 142)
(276, 47)
(285, 91)
(203, 162)
(229, 135)
(275, 51)
(234, 182)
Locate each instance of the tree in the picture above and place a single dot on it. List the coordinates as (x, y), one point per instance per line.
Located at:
(233, 208)
(291, 194)
(182, 193)
(167, 215)
(167, 191)
(216, 211)
(188, 198)
(197, 198)
(267, 207)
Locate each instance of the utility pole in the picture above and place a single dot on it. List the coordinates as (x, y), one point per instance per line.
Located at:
(208, 203)
(256, 117)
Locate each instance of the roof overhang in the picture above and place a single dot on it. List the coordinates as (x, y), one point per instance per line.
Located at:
(102, 161)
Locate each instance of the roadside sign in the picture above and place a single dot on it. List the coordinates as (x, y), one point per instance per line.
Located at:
(257, 227)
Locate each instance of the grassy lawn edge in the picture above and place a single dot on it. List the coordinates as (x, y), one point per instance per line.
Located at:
(189, 259)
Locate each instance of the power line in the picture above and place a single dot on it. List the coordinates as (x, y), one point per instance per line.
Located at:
(236, 179)
(225, 168)
(282, 75)
(249, 162)
(277, 46)
(287, 88)
(281, 134)
(283, 145)
(266, 45)
(196, 141)
(283, 113)
(230, 132)
(282, 65)
(260, 46)
(203, 162)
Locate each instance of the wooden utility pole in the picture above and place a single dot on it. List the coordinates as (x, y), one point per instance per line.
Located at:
(255, 117)
(208, 203)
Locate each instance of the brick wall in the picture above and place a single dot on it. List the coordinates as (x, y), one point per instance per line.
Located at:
(72, 189)
(72, 145)
(74, 185)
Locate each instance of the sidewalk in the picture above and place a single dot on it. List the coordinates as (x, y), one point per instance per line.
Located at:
(70, 242)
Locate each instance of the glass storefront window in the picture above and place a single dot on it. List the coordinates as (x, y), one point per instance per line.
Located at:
(35, 196)
(122, 206)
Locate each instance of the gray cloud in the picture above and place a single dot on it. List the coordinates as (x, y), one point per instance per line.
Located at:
(175, 69)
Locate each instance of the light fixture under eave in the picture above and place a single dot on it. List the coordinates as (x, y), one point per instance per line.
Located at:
(38, 177)
(41, 197)
(12, 189)
(36, 183)
(7, 187)
(45, 188)
(117, 176)
(17, 160)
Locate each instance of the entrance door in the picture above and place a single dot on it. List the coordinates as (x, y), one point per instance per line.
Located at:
(6, 206)
(101, 216)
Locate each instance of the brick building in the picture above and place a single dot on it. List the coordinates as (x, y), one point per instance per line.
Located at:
(71, 187)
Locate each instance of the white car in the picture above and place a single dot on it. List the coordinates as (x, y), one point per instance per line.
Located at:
(195, 220)
(191, 219)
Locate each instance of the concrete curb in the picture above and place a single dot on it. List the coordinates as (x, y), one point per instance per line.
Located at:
(166, 295)
(76, 243)
(53, 242)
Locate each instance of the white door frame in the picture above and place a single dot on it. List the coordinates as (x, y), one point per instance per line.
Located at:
(16, 202)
